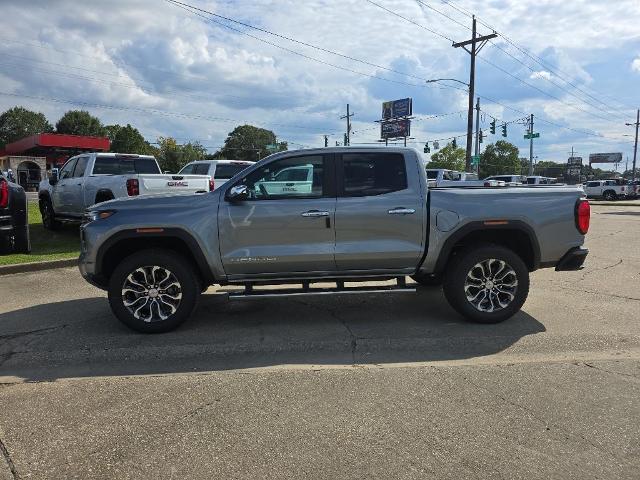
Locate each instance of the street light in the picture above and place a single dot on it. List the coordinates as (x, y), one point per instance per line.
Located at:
(450, 79)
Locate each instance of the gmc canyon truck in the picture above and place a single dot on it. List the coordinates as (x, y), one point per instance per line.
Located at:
(92, 178)
(367, 215)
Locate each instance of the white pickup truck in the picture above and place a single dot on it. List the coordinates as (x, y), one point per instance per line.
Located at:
(606, 189)
(442, 177)
(92, 178)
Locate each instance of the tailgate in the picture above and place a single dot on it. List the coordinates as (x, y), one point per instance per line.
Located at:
(155, 184)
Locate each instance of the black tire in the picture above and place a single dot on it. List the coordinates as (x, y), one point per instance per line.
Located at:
(427, 280)
(609, 195)
(48, 215)
(188, 289)
(22, 243)
(467, 262)
(6, 244)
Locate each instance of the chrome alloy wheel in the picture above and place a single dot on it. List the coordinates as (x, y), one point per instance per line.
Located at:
(491, 285)
(151, 294)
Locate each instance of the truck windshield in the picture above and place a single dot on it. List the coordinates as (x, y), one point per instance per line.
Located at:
(124, 166)
(225, 171)
(432, 175)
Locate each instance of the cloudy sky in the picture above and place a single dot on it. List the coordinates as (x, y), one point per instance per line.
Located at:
(181, 72)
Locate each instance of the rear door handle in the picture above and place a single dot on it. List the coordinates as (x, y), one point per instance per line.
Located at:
(315, 213)
(402, 211)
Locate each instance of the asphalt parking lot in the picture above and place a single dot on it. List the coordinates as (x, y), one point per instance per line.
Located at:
(371, 386)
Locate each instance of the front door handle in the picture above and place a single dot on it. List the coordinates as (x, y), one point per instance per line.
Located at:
(315, 213)
(402, 211)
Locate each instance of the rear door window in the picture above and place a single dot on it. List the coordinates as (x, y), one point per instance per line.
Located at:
(124, 166)
(225, 171)
(368, 174)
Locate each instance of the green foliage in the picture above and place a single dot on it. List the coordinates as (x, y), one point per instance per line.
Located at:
(172, 157)
(129, 140)
(80, 122)
(500, 158)
(247, 142)
(111, 131)
(18, 122)
(449, 157)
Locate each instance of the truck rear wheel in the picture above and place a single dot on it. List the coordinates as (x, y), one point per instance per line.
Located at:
(486, 284)
(609, 195)
(153, 291)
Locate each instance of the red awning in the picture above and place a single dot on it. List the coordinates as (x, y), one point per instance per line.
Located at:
(44, 141)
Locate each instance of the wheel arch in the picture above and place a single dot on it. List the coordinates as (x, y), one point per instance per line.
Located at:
(514, 234)
(127, 242)
(105, 193)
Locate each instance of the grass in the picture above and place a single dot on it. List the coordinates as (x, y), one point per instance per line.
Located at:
(45, 244)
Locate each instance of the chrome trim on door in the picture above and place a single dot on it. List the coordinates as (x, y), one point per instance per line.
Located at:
(402, 211)
(315, 213)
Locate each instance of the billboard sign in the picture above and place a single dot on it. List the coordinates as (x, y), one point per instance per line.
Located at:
(397, 108)
(575, 161)
(401, 128)
(605, 158)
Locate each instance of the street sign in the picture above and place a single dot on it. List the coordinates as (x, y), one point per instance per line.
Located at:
(605, 158)
(475, 159)
(397, 108)
(401, 128)
(574, 161)
(531, 135)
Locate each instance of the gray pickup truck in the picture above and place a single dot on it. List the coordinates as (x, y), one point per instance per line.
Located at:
(342, 215)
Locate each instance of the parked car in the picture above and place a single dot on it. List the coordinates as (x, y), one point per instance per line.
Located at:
(538, 180)
(442, 177)
(14, 218)
(92, 178)
(368, 214)
(509, 179)
(633, 189)
(219, 170)
(607, 189)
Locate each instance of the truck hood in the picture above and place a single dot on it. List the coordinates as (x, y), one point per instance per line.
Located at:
(160, 201)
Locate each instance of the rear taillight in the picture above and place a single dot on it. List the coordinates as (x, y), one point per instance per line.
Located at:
(4, 194)
(133, 187)
(583, 215)
(212, 185)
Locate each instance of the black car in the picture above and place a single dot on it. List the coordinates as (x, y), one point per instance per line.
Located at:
(14, 222)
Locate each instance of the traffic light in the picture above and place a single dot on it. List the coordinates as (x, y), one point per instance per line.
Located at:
(492, 129)
(454, 143)
(504, 129)
(426, 148)
(481, 136)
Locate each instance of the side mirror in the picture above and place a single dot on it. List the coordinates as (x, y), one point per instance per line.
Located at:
(238, 193)
(53, 179)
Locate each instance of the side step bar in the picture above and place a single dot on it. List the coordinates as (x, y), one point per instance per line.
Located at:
(250, 292)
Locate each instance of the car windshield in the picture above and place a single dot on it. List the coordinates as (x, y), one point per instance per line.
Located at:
(124, 165)
(432, 175)
(225, 171)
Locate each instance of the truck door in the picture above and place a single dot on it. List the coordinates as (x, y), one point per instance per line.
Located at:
(75, 188)
(379, 212)
(278, 231)
(60, 191)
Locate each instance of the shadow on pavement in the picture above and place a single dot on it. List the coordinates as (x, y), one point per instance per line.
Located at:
(81, 338)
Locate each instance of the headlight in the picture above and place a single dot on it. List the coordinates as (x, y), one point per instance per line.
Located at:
(93, 215)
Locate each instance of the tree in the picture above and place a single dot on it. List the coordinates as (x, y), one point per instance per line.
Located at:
(18, 122)
(500, 158)
(80, 122)
(247, 142)
(128, 140)
(111, 131)
(172, 157)
(449, 157)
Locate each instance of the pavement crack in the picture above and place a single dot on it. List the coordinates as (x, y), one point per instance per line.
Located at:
(607, 267)
(590, 365)
(8, 460)
(11, 336)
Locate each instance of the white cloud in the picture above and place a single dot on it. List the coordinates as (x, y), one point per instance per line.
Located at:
(635, 65)
(541, 74)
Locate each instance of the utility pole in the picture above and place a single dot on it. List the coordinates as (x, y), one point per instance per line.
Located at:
(348, 116)
(475, 49)
(531, 146)
(635, 147)
(477, 151)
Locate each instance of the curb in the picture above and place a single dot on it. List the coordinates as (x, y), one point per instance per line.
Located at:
(37, 266)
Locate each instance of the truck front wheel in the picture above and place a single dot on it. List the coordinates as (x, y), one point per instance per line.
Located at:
(153, 291)
(486, 284)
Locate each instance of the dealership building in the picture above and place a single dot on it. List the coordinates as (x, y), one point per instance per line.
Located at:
(33, 157)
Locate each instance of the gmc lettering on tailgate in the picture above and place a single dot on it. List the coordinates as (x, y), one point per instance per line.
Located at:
(177, 184)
